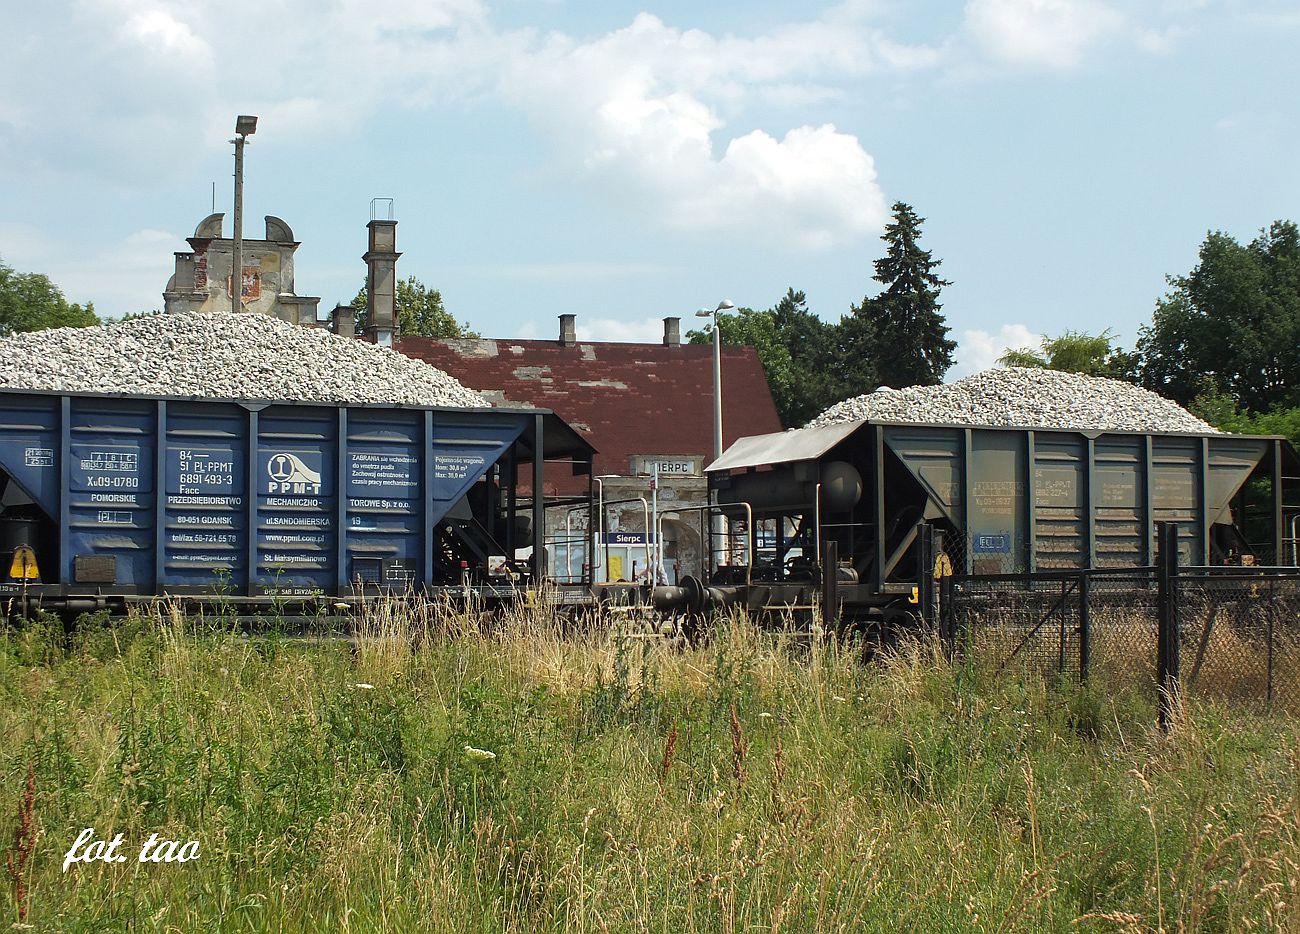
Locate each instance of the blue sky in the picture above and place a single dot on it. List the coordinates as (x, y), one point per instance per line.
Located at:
(629, 161)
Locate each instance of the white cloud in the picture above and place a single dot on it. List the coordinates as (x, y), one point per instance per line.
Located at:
(639, 109)
(643, 331)
(978, 350)
(1047, 33)
(650, 117)
(121, 277)
(158, 30)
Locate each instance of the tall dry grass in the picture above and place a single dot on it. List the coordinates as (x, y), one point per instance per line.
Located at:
(440, 771)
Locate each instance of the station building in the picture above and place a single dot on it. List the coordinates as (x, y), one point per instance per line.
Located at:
(648, 411)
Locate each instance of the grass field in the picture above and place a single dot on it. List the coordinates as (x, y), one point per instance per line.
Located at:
(438, 777)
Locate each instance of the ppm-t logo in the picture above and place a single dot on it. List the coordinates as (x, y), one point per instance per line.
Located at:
(288, 474)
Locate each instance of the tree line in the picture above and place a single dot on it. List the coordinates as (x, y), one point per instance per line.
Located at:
(1223, 341)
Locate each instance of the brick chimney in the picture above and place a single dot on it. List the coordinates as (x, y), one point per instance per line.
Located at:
(381, 283)
(672, 332)
(343, 321)
(568, 330)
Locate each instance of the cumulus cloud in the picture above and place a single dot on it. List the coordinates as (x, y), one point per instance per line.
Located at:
(651, 117)
(641, 111)
(978, 350)
(1047, 33)
(157, 30)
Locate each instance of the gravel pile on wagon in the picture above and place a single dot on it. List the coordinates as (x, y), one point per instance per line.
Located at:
(223, 355)
(1022, 397)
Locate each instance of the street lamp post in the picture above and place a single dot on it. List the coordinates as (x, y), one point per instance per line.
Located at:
(245, 126)
(724, 305)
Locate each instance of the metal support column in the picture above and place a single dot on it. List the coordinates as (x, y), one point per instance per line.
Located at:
(1203, 510)
(426, 502)
(1085, 625)
(1031, 504)
(925, 559)
(341, 508)
(251, 490)
(160, 497)
(65, 485)
(1167, 657)
(878, 497)
(539, 502)
(1090, 501)
(1278, 531)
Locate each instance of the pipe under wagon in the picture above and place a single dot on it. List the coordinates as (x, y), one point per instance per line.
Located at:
(109, 500)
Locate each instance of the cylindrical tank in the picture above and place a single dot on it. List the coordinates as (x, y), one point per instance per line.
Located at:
(841, 486)
(840, 480)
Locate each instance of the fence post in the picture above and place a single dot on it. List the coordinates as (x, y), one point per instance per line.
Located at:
(1272, 628)
(830, 585)
(1167, 629)
(925, 572)
(1085, 624)
(947, 617)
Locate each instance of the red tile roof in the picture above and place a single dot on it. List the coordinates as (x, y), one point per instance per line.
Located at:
(625, 399)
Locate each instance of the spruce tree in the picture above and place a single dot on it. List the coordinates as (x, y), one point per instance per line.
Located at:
(900, 331)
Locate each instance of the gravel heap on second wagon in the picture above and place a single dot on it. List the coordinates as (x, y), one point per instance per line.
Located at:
(1022, 397)
(223, 355)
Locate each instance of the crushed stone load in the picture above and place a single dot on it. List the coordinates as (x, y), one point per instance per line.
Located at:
(1022, 397)
(224, 355)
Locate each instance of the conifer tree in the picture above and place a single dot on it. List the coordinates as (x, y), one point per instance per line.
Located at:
(899, 336)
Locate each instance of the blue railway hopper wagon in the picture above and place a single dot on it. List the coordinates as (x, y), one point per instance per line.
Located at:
(109, 500)
(891, 504)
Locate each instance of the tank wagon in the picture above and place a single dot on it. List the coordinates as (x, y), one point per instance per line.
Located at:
(109, 500)
(890, 505)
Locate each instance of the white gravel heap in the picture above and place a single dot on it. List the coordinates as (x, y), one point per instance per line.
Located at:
(1022, 397)
(223, 355)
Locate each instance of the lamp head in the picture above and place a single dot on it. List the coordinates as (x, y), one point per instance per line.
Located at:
(704, 313)
(245, 125)
(725, 305)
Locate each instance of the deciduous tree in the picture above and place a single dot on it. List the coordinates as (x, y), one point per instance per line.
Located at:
(797, 349)
(29, 301)
(1231, 325)
(420, 312)
(1077, 352)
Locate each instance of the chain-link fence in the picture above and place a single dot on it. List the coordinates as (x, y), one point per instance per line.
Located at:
(1072, 623)
(1239, 636)
(1229, 634)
